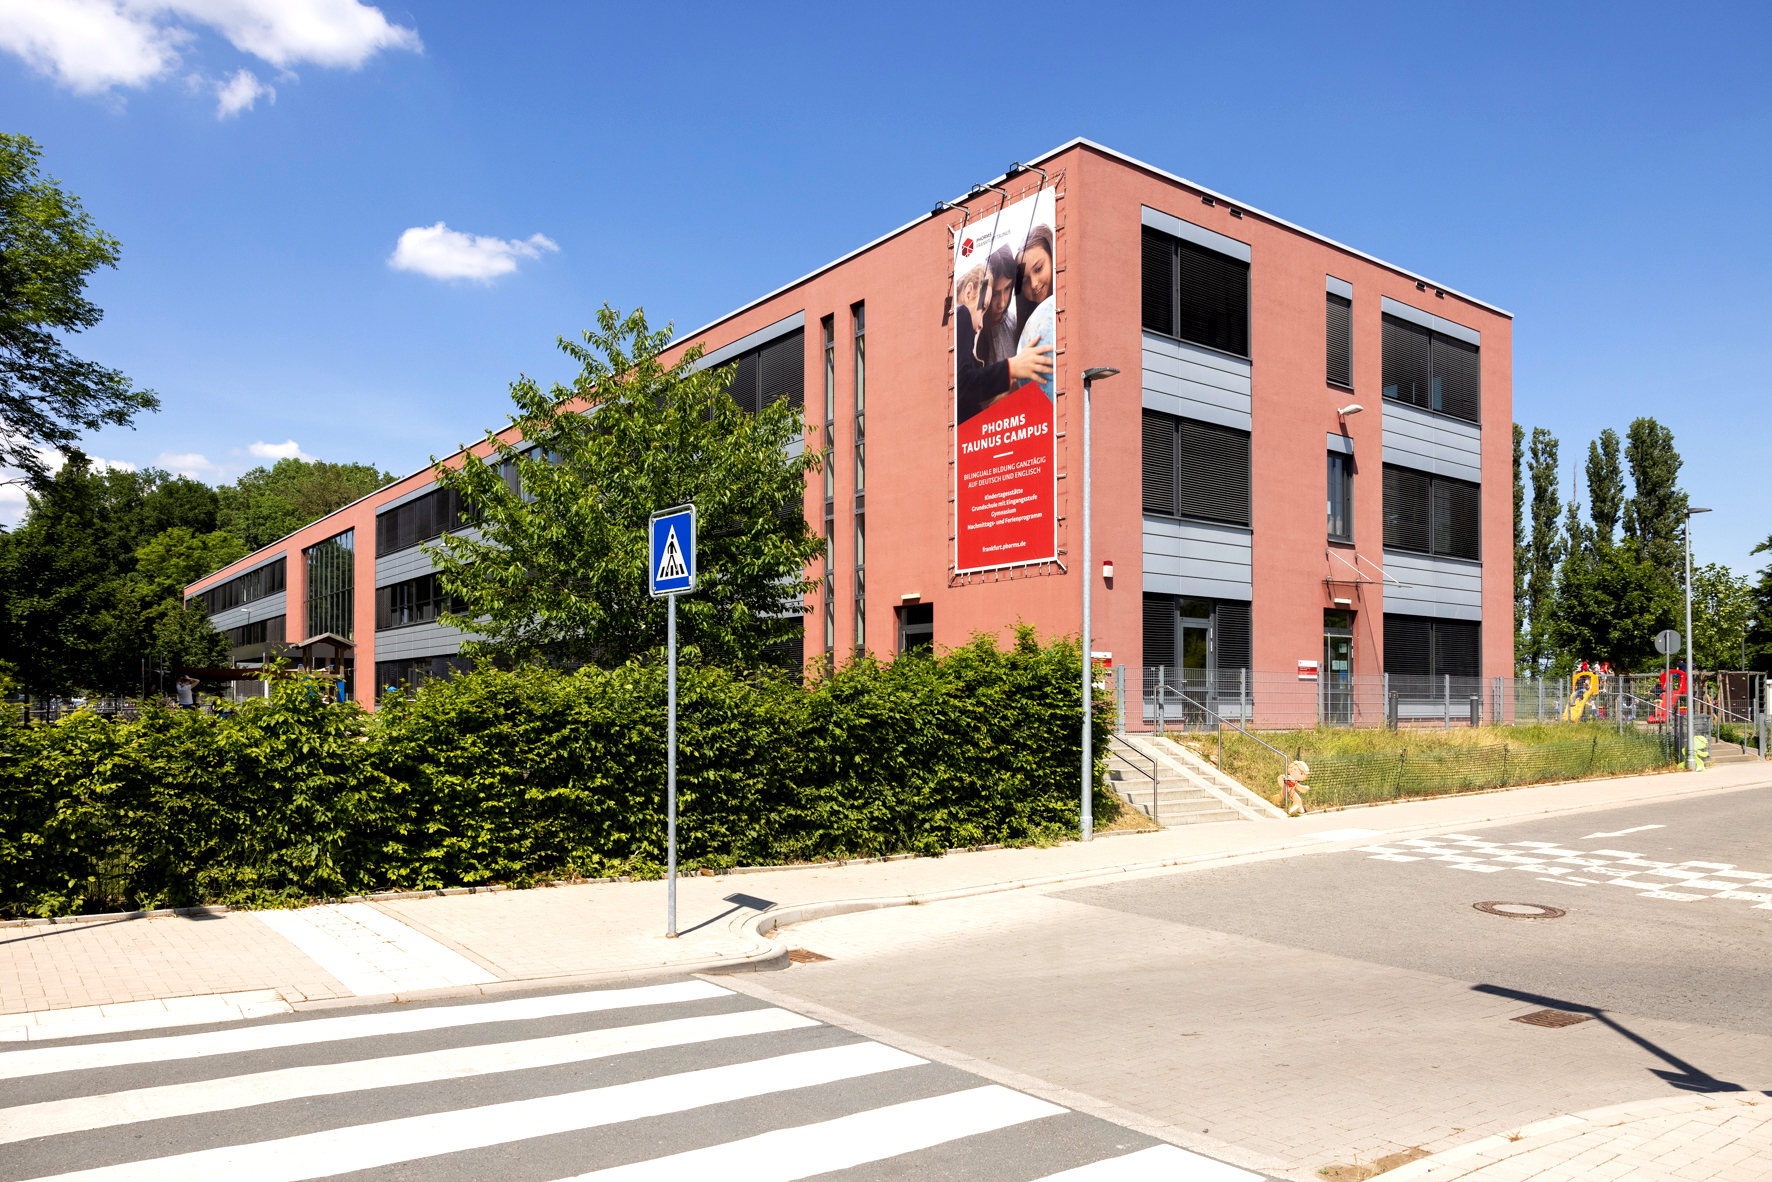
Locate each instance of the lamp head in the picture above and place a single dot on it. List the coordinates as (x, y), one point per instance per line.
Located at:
(1690, 512)
(1100, 371)
(1352, 408)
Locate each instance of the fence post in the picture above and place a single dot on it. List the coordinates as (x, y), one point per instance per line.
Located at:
(1498, 716)
(1159, 699)
(1243, 696)
(1593, 751)
(1504, 779)
(1120, 698)
(1540, 699)
(1476, 711)
(1446, 698)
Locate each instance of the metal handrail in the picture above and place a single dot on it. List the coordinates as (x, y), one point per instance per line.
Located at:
(1221, 720)
(1128, 762)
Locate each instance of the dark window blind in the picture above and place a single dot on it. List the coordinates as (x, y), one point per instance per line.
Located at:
(1408, 646)
(1194, 293)
(1405, 362)
(1159, 463)
(1233, 639)
(770, 372)
(1457, 519)
(1458, 648)
(418, 520)
(1159, 631)
(1456, 384)
(1212, 472)
(1159, 282)
(246, 588)
(1341, 497)
(1406, 515)
(1339, 323)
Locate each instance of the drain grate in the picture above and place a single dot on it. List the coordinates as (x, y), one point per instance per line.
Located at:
(1553, 1018)
(805, 956)
(1521, 910)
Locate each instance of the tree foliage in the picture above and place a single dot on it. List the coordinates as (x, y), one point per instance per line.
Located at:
(1759, 636)
(49, 247)
(1545, 550)
(557, 568)
(1722, 609)
(270, 503)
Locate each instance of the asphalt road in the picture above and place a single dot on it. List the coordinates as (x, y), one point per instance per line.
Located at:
(1700, 959)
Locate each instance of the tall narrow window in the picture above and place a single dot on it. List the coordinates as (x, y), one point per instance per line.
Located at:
(859, 312)
(829, 325)
(1339, 323)
(331, 585)
(1341, 498)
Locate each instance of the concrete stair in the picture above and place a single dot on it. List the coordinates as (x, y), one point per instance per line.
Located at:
(1721, 752)
(1186, 790)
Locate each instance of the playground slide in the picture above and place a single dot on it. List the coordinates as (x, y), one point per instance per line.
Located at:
(1586, 689)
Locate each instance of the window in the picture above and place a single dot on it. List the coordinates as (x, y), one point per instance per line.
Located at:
(1196, 637)
(1341, 497)
(331, 584)
(829, 327)
(1195, 294)
(392, 677)
(420, 520)
(265, 631)
(916, 629)
(1432, 514)
(1194, 469)
(1418, 646)
(769, 373)
(1431, 370)
(1340, 333)
(859, 314)
(416, 601)
(246, 588)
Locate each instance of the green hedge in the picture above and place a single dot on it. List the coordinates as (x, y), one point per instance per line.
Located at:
(511, 776)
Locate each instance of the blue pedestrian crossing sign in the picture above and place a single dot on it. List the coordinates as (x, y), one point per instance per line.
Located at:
(673, 551)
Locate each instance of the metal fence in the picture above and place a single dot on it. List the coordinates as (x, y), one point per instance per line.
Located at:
(1163, 698)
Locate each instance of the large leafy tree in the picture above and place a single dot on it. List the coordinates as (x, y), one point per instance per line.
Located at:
(56, 577)
(1722, 608)
(1610, 605)
(557, 568)
(49, 247)
(1655, 516)
(1605, 487)
(1546, 549)
(1759, 633)
(269, 503)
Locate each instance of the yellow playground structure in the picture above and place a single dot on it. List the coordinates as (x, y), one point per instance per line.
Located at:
(1583, 691)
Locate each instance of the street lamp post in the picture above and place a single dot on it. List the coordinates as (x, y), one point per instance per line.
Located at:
(1691, 744)
(1089, 378)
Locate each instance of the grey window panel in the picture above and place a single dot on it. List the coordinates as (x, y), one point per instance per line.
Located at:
(1340, 287)
(422, 490)
(1341, 443)
(419, 640)
(1420, 439)
(1443, 588)
(1197, 558)
(411, 562)
(1198, 235)
(273, 604)
(762, 336)
(1402, 311)
(1194, 383)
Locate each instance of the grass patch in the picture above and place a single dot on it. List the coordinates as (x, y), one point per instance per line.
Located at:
(1367, 766)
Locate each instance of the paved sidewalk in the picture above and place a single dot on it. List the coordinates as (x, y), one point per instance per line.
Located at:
(1726, 1137)
(483, 941)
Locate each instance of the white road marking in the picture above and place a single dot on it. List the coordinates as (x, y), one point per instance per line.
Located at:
(840, 1144)
(386, 1143)
(1391, 857)
(371, 952)
(127, 1017)
(1674, 895)
(1345, 834)
(1159, 1163)
(1622, 832)
(269, 1087)
(43, 1060)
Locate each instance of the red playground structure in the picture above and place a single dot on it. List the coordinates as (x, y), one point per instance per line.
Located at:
(1672, 687)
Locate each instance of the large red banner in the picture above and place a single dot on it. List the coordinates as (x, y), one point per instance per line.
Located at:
(1005, 459)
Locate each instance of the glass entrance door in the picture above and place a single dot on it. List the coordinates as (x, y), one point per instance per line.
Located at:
(1196, 657)
(1336, 678)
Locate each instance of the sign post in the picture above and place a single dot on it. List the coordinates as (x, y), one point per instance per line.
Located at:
(671, 537)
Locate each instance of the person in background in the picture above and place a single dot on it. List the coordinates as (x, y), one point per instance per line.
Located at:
(187, 693)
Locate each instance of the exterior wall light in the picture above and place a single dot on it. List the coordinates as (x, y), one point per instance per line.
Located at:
(1107, 569)
(1352, 408)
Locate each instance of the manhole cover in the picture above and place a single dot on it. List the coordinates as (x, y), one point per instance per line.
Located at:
(1553, 1018)
(805, 956)
(1521, 910)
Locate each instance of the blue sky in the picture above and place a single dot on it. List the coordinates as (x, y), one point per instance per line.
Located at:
(1600, 172)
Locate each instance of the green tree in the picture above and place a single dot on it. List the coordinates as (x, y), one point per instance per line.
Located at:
(180, 556)
(1546, 549)
(1609, 607)
(270, 503)
(558, 572)
(1722, 606)
(1759, 635)
(49, 246)
(1655, 515)
(1522, 553)
(57, 582)
(1605, 487)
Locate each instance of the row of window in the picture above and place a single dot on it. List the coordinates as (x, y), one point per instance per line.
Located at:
(419, 520)
(267, 631)
(415, 601)
(1205, 640)
(253, 585)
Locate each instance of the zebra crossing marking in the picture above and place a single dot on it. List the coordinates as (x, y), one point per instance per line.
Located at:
(45, 1060)
(371, 952)
(1159, 1163)
(78, 1113)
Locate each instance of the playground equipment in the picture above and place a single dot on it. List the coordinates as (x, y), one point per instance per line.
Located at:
(1670, 690)
(1584, 691)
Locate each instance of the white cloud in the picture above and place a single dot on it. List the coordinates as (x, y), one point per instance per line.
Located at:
(289, 449)
(239, 91)
(91, 46)
(192, 464)
(443, 253)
